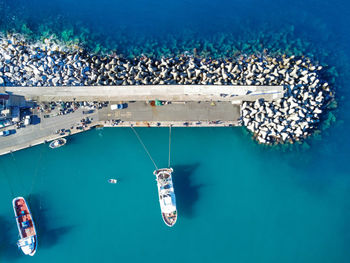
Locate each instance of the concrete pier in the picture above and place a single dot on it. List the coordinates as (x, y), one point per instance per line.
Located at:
(150, 92)
(188, 106)
(138, 114)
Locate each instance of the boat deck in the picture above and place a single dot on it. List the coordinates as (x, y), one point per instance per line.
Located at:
(24, 219)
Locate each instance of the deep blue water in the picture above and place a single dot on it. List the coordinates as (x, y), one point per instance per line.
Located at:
(238, 201)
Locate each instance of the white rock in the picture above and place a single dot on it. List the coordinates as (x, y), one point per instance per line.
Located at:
(298, 132)
(244, 105)
(317, 111)
(245, 112)
(294, 72)
(312, 79)
(197, 72)
(280, 128)
(293, 117)
(293, 104)
(256, 104)
(284, 136)
(263, 134)
(235, 69)
(304, 72)
(314, 85)
(269, 112)
(249, 82)
(282, 71)
(246, 121)
(251, 127)
(249, 75)
(261, 140)
(319, 99)
(304, 79)
(28, 69)
(7, 56)
(275, 73)
(291, 111)
(229, 67)
(266, 71)
(301, 114)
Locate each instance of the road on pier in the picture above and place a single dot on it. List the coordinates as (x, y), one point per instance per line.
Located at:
(150, 92)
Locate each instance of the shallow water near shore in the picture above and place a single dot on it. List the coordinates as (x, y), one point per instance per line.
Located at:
(237, 201)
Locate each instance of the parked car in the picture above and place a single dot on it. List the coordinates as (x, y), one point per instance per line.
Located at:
(27, 120)
(5, 123)
(123, 105)
(119, 106)
(20, 125)
(4, 133)
(88, 111)
(7, 133)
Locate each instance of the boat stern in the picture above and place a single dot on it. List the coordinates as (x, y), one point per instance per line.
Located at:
(27, 245)
(170, 218)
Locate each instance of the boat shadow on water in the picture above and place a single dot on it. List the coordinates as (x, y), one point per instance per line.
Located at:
(9, 251)
(48, 234)
(187, 194)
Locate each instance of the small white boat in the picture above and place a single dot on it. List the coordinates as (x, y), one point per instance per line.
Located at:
(112, 181)
(57, 143)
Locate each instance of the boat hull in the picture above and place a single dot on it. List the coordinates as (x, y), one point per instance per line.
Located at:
(57, 143)
(166, 195)
(26, 227)
(112, 181)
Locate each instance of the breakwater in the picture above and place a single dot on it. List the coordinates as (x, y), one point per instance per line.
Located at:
(288, 119)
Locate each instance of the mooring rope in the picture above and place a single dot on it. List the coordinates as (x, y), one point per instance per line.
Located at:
(36, 172)
(144, 147)
(8, 181)
(18, 175)
(169, 146)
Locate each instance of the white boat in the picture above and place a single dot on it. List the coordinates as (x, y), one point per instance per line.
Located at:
(57, 143)
(166, 194)
(112, 181)
(26, 227)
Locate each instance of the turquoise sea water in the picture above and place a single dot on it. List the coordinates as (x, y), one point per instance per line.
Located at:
(237, 201)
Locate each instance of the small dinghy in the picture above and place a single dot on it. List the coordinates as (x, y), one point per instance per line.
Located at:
(57, 143)
(112, 181)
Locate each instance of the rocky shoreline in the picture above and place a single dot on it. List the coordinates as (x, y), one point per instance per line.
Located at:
(294, 117)
(290, 119)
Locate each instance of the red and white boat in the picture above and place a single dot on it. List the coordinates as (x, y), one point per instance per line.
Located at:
(26, 228)
(166, 194)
